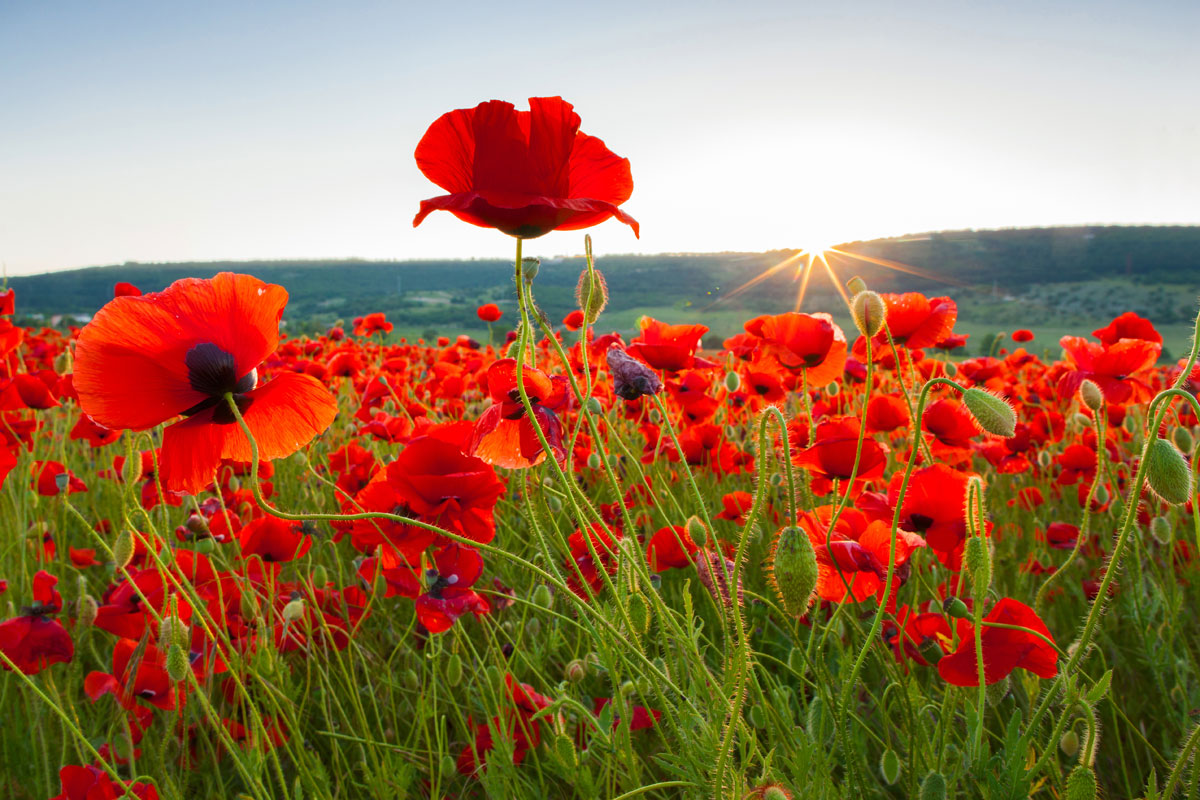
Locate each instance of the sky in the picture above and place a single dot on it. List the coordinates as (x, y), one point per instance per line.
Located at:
(230, 130)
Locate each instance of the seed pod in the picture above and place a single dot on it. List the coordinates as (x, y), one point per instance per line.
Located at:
(1183, 439)
(1168, 472)
(529, 267)
(1069, 743)
(889, 767)
(733, 381)
(793, 570)
(933, 787)
(123, 550)
(591, 286)
(930, 650)
(542, 596)
(177, 663)
(992, 413)
(954, 607)
(1045, 459)
(1081, 784)
(1090, 395)
(454, 669)
(869, 312)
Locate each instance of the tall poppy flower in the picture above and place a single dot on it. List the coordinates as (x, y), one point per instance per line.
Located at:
(445, 487)
(669, 347)
(1004, 649)
(525, 173)
(504, 435)
(812, 342)
(1121, 369)
(449, 594)
(143, 360)
(33, 641)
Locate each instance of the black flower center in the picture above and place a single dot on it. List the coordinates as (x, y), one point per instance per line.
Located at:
(213, 372)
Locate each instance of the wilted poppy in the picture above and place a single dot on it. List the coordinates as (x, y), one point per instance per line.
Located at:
(144, 360)
(525, 173)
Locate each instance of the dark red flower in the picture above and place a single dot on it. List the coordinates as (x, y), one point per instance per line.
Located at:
(442, 486)
(1120, 369)
(670, 548)
(32, 641)
(1128, 326)
(449, 594)
(918, 321)
(143, 360)
(1022, 335)
(525, 173)
(274, 540)
(1004, 649)
(812, 342)
(573, 321)
(504, 435)
(129, 682)
(89, 782)
(124, 289)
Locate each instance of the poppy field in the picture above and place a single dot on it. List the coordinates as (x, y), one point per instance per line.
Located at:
(802, 562)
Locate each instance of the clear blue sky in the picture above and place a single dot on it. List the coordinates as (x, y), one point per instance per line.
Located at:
(166, 131)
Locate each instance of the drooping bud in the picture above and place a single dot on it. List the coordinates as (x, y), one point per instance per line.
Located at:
(1081, 784)
(591, 294)
(1090, 395)
(294, 610)
(1160, 529)
(1183, 440)
(631, 378)
(197, 524)
(889, 767)
(992, 413)
(320, 576)
(793, 570)
(869, 312)
(933, 787)
(833, 389)
(1069, 743)
(542, 596)
(454, 669)
(123, 549)
(696, 529)
(594, 406)
(1168, 472)
(733, 381)
(177, 663)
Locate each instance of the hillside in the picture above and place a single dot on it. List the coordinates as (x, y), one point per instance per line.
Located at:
(1003, 278)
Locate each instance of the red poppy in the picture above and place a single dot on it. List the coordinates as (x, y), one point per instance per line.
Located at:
(736, 505)
(525, 173)
(1128, 326)
(669, 347)
(886, 413)
(130, 681)
(372, 324)
(32, 641)
(1120, 369)
(853, 565)
(812, 342)
(449, 594)
(8, 302)
(443, 486)
(918, 321)
(124, 289)
(1022, 335)
(1004, 649)
(834, 448)
(670, 548)
(274, 540)
(504, 435)
(573, 321)
(144, 360)
(489, 312)
(933, 505)
(89, 782)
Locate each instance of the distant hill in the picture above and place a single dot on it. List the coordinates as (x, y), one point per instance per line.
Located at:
(976, 267)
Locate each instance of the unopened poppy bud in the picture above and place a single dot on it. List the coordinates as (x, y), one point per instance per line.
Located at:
(235, 483)
(1183, 440)
(1168, 472)
(776, 479)
(1090, 395)
(889, 767)
(833, 390)
(978, 561)
(627, 688)
(123, 550)
(975, 505)
(88, 609)
(205, 546)
(564, 750)
(1080, 420)
(543, 597)
(449, 767)
(933, 787)
(733, 381)
(1045, 459)
(697, 530)
(1069, 743)
(796, 660)
(1081, 784)
(993, 413)
(173, 631)
(197, 524)
(593, 461)
(1102, 494)
(591, 294)
(793, 570)
(62, 363)
(639, 614)
(594, 406)
(454, 669)
(1160, 529)
(293, 611)
(756, 716)
(553, 503)
(177, 663)
(411, 679)
(955, 608)
(869, 312)
(575, 671)
(320, 576)
(995, 692)
(776, 793)
(856, 286)
(529, 267)
(631, 378)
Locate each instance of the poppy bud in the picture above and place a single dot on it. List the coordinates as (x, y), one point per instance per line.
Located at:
(978, 561)
(1168, 472)
(177, 663)
(449, 767)
(293, 611)
(131, 470)
(796, 660)
(1183, 439)
(631, 378)
(776, 479)
(529, 267)
(1090, 395)
(733, 381)
(1069, 743)
(593, 461)
(1160, 529)
(62, 362)
(954, 607)
(88, 609)
(776, 793)
(992, 413)
(793, 570)
(933, 787)
(756, 716)
(815, 718)
(564, 750)
(627, 688)
(320, 576)
(833, 390)
(1081, 784)
(173, 631)
(411, 679)
(639, 614)
(1080, 420)
(995, 692)
(1102, 494)
(889, 767)
(543, 597)
(869, 312)
(593, 406)
(696, 530)
(205, 546)
(1044, 459)
(975, 505)
(554, 504)
(123, 550)
(454, 669)
(591, 294)
(856, 285)
(576, 670)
